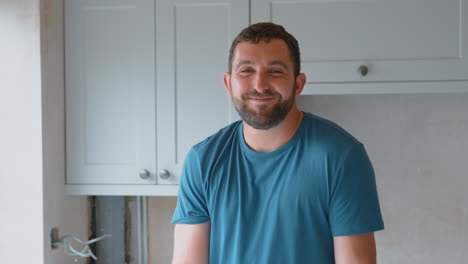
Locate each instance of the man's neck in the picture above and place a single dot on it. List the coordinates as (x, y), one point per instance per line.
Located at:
(274, 138)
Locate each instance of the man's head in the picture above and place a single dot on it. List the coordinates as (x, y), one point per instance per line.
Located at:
(265, 32)
(264, 75)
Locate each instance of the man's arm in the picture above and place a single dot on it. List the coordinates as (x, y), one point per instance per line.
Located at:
(191, 243)
(355, 249)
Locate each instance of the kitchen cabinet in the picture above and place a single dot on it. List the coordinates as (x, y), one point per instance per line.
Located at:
(385, 46)
(143, 84)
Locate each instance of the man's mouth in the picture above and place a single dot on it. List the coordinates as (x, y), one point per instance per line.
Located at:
(262, 98)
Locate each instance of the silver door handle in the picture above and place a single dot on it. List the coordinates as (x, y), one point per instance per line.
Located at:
(164, 174)
(145, 174)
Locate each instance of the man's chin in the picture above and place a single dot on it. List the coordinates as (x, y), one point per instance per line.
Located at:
(261, 109)
(259, 121)
(262, 125)
(262, 116)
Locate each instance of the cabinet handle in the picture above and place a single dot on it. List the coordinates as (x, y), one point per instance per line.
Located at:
(145, 174)
(363, 70)
(164, 174)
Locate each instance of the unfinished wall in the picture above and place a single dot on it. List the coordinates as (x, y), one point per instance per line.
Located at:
(68, 213)
(418, 145)
(160, 230)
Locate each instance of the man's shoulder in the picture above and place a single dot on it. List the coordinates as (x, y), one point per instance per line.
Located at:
(328, 133)
(218, 140)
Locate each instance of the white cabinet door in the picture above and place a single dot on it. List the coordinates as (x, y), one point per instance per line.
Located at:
(192, 45)
(398, 40)
(110, 91)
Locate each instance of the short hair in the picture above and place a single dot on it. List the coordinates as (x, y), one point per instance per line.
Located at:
(266, 31)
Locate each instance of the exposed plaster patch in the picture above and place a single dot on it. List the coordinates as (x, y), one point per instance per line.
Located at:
(46, 20)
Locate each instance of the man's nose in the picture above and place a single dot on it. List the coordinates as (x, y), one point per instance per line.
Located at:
(260, 82)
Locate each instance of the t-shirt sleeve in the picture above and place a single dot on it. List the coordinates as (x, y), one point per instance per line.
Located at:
(191, 202)
(354, 203)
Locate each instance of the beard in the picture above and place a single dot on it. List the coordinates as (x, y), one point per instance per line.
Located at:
(268, 115)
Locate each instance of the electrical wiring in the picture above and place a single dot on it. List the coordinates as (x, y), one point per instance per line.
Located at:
(85, 252)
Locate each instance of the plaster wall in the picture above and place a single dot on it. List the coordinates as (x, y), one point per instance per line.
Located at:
(418, 145)
(21, 160)
(70, 214)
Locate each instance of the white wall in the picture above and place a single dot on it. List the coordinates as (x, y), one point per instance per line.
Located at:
(32, 137)
(21, 192)
(418, 145)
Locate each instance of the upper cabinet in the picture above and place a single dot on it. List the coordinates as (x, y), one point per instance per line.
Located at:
(144, 82)
(110, 92)
(376, 46)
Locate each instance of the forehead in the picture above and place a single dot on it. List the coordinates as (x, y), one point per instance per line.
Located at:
(273, 50)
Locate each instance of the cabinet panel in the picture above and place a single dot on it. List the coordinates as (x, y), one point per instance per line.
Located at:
(110, 91)
(192, 45)
(398, 40)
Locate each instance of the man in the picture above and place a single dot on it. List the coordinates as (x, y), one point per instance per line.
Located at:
(280, 186)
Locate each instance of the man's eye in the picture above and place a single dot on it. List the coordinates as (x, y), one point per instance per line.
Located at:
(277, 71)
(246, 70)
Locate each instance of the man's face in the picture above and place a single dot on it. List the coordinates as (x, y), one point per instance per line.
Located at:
(262, 83)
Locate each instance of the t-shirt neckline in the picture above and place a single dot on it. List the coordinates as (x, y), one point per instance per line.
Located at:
(253, 154)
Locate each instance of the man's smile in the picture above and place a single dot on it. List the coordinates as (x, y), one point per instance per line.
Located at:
(262, 99)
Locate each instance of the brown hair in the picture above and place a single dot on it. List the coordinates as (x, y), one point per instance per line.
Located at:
(265, 32)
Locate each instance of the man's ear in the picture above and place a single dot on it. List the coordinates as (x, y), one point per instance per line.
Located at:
(300, 83)
(227, 82)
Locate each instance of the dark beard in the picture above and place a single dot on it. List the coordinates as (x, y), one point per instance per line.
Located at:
(268, 116)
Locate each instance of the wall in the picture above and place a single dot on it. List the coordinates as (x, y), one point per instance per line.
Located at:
(418, 145)
(32, 136)
(20, 134)
(160, 230)
(70, 214)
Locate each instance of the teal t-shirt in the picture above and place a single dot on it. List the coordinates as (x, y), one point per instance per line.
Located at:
(283, 206)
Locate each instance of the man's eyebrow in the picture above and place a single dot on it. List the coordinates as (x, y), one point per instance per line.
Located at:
(243, 62)
(280, 63)
(272, 63)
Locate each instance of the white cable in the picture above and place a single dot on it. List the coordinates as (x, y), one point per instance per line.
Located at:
(85, 252)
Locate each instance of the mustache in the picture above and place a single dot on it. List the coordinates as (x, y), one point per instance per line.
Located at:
(255, 94)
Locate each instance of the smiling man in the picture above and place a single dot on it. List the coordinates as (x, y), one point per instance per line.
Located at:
(281, 185)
